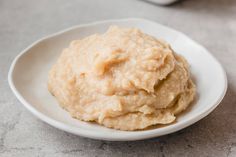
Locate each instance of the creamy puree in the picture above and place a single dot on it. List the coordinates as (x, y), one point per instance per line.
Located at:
(122, 79)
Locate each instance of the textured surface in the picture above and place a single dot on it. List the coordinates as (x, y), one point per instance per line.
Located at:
(212, 23)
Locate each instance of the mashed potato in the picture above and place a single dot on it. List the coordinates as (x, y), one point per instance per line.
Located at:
(123, 79)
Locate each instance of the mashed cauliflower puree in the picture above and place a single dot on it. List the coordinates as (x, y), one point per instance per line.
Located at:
(122, 79)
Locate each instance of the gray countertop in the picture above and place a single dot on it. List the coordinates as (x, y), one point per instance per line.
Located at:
(210, 22)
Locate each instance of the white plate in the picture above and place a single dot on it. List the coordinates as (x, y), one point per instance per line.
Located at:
(28, 80)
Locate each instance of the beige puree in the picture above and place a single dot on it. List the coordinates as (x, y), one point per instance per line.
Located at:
(123, 79)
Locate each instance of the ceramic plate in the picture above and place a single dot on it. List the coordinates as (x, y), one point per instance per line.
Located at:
(28, 80)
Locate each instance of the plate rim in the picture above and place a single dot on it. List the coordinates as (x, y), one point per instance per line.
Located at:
(91, 134)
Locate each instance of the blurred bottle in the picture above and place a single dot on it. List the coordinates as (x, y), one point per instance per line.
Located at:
(162, 2)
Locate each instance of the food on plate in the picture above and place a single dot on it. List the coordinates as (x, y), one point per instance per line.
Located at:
(122, 79)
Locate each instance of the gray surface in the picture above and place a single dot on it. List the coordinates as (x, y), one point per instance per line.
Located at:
(210, 22)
